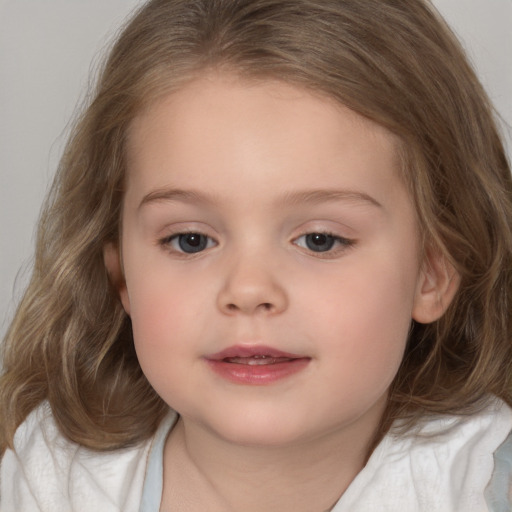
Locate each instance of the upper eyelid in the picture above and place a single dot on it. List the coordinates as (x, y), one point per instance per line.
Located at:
(172, 231)
(327, 233)
(344, 244)
(172, 236)
(180, 230)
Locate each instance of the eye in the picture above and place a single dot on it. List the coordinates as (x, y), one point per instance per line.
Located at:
(321, 242)
(189, 243)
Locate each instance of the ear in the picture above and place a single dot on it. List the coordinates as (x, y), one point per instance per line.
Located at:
(112, 260)
(437, 285)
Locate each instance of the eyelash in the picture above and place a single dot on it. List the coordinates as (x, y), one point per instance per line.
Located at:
(332, 244)
(177, 238)
(335, 244)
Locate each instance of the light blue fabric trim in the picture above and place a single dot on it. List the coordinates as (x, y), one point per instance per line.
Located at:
(497, 493)
(153, 482)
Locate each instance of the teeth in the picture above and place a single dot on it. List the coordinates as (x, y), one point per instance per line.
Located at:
(260, 360)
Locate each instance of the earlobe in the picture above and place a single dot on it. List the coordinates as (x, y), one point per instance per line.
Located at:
(112, 260)
(437, 285)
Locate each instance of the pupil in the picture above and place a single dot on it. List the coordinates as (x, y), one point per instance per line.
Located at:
(192, 242)
(319, 242)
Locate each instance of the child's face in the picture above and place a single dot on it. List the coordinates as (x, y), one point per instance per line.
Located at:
(260, 219)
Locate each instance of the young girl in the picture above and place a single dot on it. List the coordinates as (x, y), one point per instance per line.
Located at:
(274, 274)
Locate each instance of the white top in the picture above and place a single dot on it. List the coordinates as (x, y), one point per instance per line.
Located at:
(446, 466)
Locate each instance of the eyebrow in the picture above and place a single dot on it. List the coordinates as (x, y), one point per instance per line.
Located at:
(316, 196)
(175, 194)
(328, 195)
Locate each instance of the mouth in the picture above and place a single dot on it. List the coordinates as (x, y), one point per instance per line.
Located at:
(256, 365)
(258, 360)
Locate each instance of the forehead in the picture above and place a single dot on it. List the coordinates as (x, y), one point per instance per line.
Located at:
(221, 123)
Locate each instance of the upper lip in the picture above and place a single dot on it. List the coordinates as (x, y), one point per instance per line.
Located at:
(252, 351)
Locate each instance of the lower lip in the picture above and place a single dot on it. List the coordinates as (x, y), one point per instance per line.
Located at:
(257, 374)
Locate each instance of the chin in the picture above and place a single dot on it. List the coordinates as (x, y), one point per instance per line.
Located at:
(262, 430)
(261, 437)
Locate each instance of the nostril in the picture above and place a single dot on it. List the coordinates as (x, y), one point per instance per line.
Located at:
(265, 306)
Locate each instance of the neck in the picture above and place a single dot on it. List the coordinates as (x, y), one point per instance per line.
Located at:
(307, 475)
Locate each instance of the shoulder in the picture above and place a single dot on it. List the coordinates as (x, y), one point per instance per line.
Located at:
(464, 450)
(47, 472)
(446, 464)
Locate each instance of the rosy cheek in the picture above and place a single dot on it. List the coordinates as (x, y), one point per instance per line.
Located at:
(155, 315)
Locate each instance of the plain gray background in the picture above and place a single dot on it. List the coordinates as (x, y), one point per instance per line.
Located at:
(47, 48)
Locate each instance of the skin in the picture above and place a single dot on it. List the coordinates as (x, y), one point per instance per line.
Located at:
(255, 168)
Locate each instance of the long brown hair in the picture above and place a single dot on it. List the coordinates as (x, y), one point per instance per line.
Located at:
(392, 61)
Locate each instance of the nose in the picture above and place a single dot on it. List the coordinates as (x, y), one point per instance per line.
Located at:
(251, 287)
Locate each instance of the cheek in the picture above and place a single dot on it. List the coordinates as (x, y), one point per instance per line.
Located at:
(164, 310)
(163, 326)
(364, 317)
